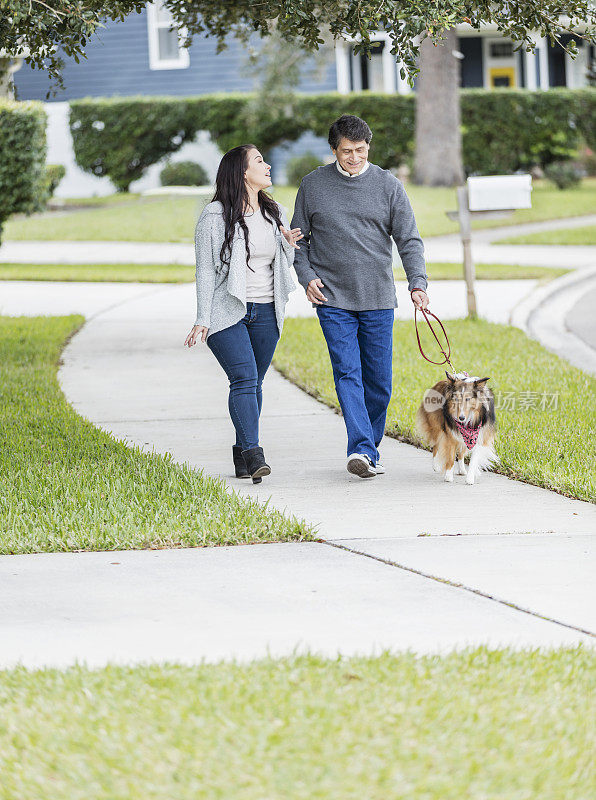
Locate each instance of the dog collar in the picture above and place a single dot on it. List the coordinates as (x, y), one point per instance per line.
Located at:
(469, 435)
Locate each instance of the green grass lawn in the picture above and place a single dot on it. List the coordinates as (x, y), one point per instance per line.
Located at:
(176, 273)
(448, 272)
(142, 273)
(121, 198)
(537, 443)
(172, 219)
(68, 486)
(583, 235)
(476, 725)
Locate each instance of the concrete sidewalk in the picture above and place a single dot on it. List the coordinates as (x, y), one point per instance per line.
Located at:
(496, 299)
(247, 602)
(437, 249)
(485, 246)
(128, 372)
(409, 561)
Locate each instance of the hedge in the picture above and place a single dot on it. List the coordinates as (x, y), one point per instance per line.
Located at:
(503, 130)
(22, 158)
(121, 137)
(391, 117)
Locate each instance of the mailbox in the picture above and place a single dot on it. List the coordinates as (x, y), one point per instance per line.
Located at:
(499, 192)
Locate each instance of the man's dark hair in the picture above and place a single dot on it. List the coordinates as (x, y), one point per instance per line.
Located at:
(349, 127)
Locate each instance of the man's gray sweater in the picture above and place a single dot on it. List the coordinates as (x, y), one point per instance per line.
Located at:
(348, 224)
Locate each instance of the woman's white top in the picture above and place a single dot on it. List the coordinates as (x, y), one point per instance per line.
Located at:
(261, 239)
(221, 288)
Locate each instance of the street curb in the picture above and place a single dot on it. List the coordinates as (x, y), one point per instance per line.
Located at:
(544, 320)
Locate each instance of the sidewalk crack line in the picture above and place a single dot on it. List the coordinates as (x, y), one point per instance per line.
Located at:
(462, 586)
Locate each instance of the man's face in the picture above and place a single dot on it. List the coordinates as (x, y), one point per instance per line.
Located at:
(352, 156)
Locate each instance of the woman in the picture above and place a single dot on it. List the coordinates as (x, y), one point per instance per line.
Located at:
(244, 250)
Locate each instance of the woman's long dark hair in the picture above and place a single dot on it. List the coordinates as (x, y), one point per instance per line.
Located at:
(231, 191)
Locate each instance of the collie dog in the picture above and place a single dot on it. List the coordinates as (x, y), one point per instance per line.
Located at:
(455, 417)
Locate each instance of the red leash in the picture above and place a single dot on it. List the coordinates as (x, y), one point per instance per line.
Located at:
(426, 314)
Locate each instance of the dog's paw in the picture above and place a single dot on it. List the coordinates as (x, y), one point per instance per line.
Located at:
(470, 478)
(449, 475)
(461, 468)
(436, 465)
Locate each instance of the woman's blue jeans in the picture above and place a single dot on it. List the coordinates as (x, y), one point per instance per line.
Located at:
(245, 350)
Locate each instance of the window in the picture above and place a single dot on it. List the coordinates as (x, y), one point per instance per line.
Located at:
(165, 40)
(376, 74)
(501, 49)
(371, 69)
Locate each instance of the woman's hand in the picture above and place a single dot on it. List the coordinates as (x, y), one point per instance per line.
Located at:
(419, 298)
(197, 330)
(292, 236)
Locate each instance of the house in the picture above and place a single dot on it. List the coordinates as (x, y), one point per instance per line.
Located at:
(487, 61)
(144, 55)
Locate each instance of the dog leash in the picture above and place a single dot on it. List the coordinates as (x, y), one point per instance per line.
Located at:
(426, 315)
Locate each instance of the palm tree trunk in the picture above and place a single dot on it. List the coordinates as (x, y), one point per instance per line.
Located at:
(438, 160)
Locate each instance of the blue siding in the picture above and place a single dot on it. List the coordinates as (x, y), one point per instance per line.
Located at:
(117, 63)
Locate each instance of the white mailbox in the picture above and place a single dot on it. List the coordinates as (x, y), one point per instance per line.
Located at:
(498, 192)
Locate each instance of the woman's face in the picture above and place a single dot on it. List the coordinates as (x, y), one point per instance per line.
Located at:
(257, 175)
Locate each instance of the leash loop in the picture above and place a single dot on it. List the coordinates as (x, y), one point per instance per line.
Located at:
(426, 314)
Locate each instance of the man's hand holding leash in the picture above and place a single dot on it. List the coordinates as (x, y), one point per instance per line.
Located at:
(419, 298)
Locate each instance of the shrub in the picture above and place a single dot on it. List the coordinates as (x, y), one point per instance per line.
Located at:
(53, 176)
(563, 174)
(22, 158)
(234, 119)
(589, 164)
(183, 173)
(503, 130)
(391, 117)
(121, 137)
(298, 167)
(585, 110)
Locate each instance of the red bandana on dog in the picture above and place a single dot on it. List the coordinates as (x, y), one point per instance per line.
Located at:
(469, 435)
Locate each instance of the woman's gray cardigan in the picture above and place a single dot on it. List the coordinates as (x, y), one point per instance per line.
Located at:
(221, 290)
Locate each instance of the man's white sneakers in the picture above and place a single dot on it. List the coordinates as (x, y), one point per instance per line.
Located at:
(380, 468)
(360, 464)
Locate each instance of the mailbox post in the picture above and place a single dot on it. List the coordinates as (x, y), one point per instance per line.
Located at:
(488, 196)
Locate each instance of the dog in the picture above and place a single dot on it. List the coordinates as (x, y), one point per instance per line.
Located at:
(455, 417)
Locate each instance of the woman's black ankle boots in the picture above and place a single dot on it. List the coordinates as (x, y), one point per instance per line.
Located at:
(255, 463)
(239, 463)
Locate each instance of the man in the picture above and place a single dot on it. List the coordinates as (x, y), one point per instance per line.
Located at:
(348, 212)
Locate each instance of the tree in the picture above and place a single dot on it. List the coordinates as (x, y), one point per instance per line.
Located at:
(438, 160)
(46, 30)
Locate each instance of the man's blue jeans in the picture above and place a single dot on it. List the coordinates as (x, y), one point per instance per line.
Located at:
(245, 350)
(360, 347)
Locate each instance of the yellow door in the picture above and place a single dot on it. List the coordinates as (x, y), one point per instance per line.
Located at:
(502, 77)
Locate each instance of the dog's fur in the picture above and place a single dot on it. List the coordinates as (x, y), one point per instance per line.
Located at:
(473, 403)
